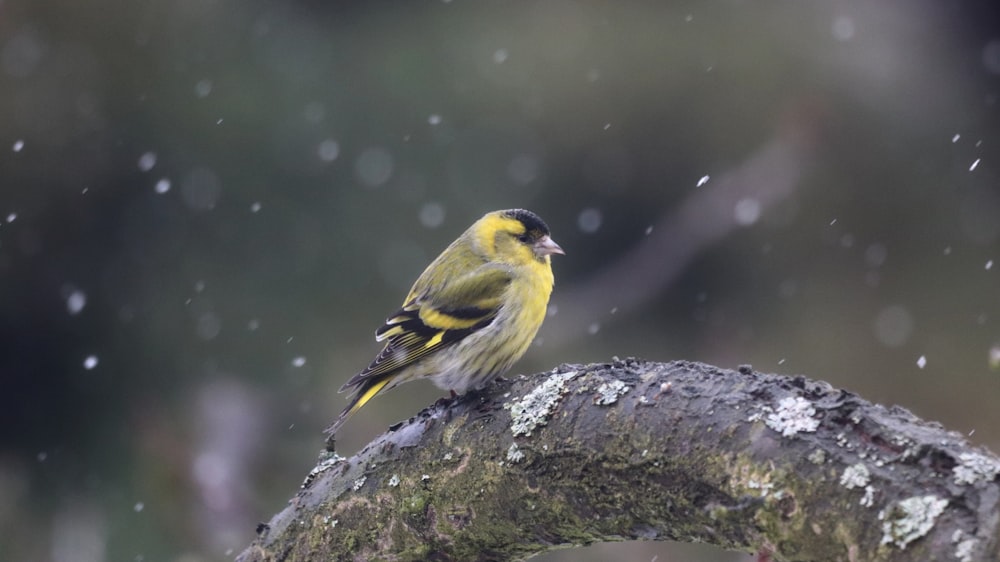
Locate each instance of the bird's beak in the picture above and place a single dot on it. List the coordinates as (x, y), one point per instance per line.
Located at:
(546, 246)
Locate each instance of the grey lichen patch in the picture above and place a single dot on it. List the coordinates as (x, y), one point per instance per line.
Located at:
(764, 486)
(965, 547)
(856, 417)
(911, 519)
(855, 476)
(328, 460)
(868, 499)
(514, 454)
(359, 483)
(394, 481)
(759, 414)
(858, 476)
(818, 456)
(609, 392)
(973, 467)
(794, 414)
(751, 479)
(535, 407)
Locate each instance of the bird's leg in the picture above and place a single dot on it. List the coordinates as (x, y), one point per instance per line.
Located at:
(444, 401)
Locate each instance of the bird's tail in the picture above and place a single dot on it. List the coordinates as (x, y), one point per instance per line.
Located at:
(365, 391)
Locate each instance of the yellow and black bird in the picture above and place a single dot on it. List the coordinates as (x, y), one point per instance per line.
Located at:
(470, 315)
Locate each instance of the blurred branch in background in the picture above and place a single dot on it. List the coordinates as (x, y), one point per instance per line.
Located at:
(649, 451)
(716, 209)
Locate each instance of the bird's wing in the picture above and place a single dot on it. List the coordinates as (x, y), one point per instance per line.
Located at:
(436, 318)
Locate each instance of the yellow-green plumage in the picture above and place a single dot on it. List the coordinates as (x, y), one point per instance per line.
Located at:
(470, 315)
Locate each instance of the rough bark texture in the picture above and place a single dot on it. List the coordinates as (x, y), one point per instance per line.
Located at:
(636, 450)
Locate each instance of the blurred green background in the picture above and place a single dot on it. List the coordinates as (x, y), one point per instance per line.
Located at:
(208, 206)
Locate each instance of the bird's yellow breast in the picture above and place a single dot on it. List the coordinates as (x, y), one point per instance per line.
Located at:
(530, 294)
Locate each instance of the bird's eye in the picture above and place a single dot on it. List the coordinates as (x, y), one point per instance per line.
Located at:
(524, 238)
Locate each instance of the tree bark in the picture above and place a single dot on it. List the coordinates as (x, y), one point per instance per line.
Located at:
(636, 450)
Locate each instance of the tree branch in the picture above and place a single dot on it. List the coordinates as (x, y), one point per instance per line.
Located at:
(637, 450)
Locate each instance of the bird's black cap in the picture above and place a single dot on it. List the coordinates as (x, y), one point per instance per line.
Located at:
(531, 221)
